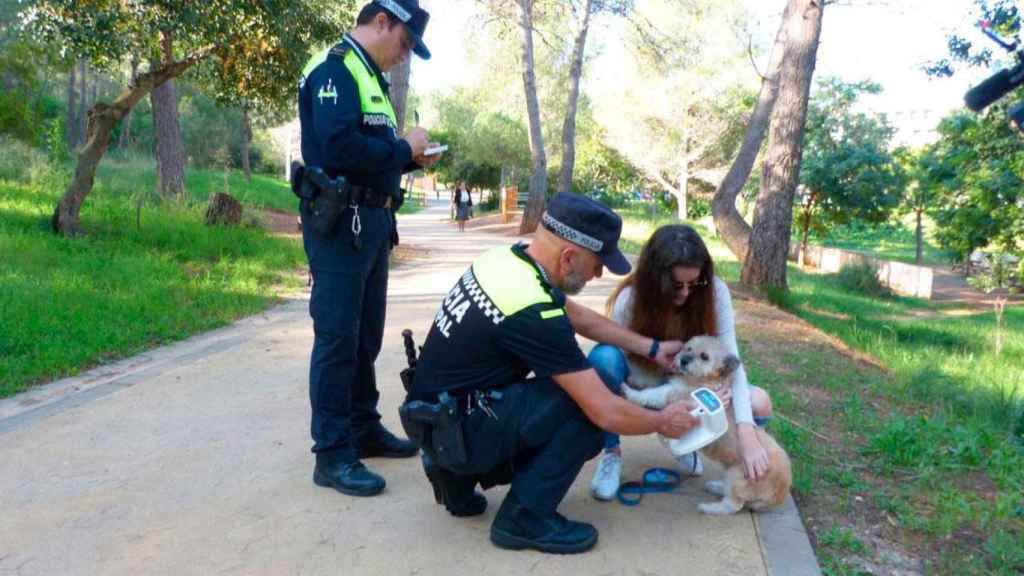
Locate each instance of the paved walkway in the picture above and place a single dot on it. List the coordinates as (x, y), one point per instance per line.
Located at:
(194, 459)
(950, 286)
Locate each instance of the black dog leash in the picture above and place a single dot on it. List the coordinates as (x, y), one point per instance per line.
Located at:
(654, 480)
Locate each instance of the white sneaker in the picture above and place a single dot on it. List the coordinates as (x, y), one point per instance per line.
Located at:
(607, 476)
(690, 464)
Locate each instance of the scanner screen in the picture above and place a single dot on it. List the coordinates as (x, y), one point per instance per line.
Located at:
(709, 400)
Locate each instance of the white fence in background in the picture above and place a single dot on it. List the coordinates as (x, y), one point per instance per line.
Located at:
(901, 278)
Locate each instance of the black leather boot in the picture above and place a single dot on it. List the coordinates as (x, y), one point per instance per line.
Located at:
(516, 527)
(455, 492)
(346, 476)
(378, 442)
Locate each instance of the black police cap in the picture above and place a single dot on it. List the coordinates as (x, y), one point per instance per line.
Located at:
(414, 18)
(589, 224)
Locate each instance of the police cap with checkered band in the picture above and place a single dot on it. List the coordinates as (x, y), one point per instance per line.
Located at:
(588, 224)
(413, 17)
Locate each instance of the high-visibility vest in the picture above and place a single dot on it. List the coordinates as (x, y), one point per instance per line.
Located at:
(373, 102)
(511, 283)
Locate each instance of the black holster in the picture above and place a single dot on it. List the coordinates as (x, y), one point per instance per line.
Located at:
(323, 198)
(437, 429)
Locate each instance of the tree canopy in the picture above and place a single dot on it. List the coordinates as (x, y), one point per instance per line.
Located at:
(978, 168)
(678, 109)
(250, 45)
(847, 171)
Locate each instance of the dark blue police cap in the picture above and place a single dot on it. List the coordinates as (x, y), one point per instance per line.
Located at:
(589, 224)
(414, 18)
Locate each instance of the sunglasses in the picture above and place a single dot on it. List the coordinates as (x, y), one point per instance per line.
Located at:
(690, 286)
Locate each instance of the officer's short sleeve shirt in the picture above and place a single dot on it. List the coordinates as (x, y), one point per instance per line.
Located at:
(500, 322)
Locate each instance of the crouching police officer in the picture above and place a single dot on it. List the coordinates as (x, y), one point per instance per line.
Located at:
(477, 416)
(350, 190)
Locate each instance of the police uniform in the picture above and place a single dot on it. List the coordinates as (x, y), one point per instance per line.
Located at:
(501, 321)
(349, 129)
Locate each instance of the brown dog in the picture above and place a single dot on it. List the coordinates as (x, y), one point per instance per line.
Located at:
(705, 362)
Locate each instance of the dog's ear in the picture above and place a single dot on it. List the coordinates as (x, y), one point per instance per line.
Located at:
(729, 365)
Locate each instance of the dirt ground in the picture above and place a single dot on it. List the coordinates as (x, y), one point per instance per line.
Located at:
(951, 286)
(282, 222)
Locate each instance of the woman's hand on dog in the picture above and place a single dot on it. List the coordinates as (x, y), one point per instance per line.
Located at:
(752, 454)
(666, 356)
(676, 420)
(724, 393)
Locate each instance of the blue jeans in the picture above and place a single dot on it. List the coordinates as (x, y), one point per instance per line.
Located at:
(611, 366)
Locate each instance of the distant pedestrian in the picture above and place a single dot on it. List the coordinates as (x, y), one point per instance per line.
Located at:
(463, 205)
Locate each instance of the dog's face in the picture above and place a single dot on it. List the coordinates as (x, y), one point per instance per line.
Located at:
(704, 358)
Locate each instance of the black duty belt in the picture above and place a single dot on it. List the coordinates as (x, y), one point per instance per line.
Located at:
(470, 401)
(366, 196)
(309, 182)
(325, 198)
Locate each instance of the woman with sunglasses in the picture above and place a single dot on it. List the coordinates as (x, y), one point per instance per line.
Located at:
(673, 294)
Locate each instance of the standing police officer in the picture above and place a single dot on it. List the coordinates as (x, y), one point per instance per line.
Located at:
(349, 130)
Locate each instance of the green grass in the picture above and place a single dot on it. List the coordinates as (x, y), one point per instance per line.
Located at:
(947, 454)
(130, 179)
(951, 451)
(932, 355)
(70, 304)
(890, 241)
(935, 442)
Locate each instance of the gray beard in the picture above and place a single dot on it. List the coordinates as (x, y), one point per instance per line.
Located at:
(573, 283)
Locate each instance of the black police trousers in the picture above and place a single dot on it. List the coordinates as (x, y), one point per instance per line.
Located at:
(348, 309)
(537, 440)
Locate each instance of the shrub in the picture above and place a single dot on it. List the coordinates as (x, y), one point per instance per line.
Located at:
(26, 104)
(861, 279)
(19, 161)
(264, 154)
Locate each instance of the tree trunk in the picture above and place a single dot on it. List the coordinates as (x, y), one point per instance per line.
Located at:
(170, 154)
(684, 188)
(537, 199)
(246, 142)
(101, 123)
(730, 224)
(399, 92)
(765, 264)
(94, 88)
(569, 127)
(72, 119)
(918, 238)
(126, 124)
(83, 106)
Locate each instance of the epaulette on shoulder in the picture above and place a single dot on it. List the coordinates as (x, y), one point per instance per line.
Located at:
(340, 49)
